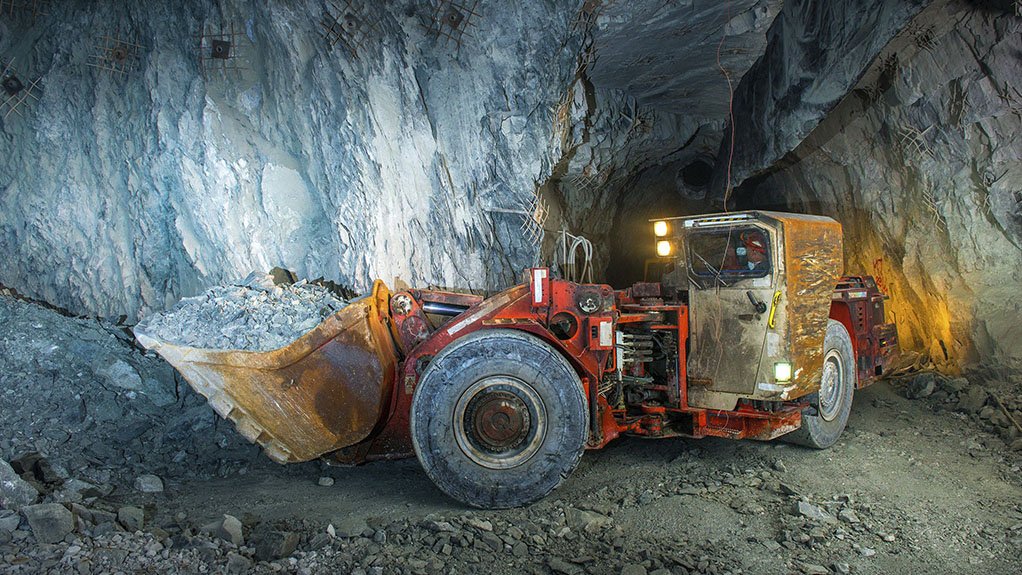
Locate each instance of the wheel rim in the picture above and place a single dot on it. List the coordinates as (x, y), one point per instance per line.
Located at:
(832, 386)
(500, 422)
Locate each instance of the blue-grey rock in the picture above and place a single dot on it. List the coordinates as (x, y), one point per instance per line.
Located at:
(349, 526)
(15, 492)
(9, 521)
(50, 522)
(149, 483)
(816, 52)
(388, 164)
(131, 518)
(813, 513)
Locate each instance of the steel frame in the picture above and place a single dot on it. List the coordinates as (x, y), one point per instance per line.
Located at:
(37, 8)
(350, 26)
(13, 102)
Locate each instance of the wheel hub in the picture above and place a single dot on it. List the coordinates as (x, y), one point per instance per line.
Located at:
(831, 386)
(499, 422)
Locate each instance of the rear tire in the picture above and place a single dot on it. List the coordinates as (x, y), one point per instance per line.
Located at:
(499, 419)
(834, 400)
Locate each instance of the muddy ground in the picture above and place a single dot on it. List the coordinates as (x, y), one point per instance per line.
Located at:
(914, 486)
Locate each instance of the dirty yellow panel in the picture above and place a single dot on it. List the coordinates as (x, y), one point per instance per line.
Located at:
(813, 263)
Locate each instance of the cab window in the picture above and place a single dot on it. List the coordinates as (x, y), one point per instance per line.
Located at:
(729, 254)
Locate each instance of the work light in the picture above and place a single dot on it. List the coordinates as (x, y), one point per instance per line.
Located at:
(782, 371)
(663, 248)
(660, 228)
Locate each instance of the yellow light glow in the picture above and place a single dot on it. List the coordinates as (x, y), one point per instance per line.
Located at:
(782, 371)
(660, 229)
(663, 248)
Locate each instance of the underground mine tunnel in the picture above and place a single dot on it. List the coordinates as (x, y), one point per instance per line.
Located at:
(640, 287)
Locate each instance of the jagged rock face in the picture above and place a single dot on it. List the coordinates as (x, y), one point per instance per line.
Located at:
(410, 157)
(413, 159)
(816, 52)
(674, 56)
(921, 163)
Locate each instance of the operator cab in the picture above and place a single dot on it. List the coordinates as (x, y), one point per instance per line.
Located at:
(759, 286)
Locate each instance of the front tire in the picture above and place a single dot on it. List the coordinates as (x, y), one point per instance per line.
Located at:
(834, 399)
(499, 419)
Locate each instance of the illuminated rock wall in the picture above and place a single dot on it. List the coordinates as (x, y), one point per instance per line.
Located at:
(921, 163)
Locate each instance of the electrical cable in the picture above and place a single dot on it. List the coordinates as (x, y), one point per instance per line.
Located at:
(570, 255)
(718, 327)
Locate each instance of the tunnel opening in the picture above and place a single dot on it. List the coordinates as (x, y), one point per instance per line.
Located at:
(698, 174)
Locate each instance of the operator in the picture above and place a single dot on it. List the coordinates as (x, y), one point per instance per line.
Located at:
(754, 246)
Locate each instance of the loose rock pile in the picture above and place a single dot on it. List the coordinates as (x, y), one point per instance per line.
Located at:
(996, 411)
(82, 406)
(255, 314)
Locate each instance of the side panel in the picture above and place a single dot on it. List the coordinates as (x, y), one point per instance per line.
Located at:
(813, 264)
(859, 305)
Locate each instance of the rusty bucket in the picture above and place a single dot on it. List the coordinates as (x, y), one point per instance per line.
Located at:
(326, 390)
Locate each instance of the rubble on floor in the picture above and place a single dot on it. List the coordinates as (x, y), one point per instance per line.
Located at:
(258, 313)
(997, 409)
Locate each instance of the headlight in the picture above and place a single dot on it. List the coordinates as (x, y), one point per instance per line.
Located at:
(782, 371)
(660, 229)
(663, 248)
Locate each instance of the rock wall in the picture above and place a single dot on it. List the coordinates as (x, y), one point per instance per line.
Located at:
(816, 51)
(408, 157)
(920, 162)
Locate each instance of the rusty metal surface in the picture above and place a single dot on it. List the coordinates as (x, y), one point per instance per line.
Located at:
(325, 391)
(813, 262)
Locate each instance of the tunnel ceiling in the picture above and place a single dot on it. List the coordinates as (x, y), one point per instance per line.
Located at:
(665, 54)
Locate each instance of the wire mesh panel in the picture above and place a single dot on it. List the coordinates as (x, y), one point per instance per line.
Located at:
(452, 18)
(533, 211)
(588, 14)
(218, 51)
(15, 91)
(116, 55)
(33, 8)
(349, 26)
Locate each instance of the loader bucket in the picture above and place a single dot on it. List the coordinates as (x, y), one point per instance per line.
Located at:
(326, 390)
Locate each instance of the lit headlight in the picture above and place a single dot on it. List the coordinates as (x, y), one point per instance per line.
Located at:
(663, 248)
(660, 229)
(782, 371)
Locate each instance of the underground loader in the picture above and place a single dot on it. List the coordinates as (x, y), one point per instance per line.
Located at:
(750, 332)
